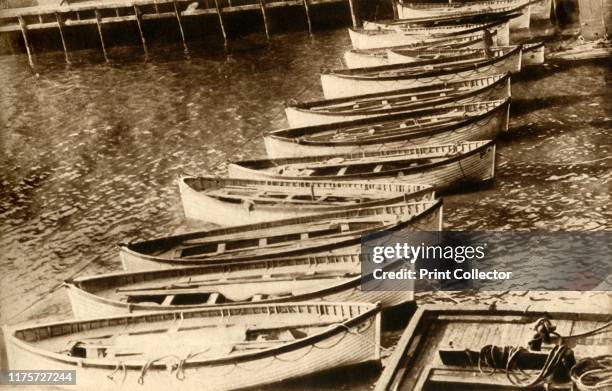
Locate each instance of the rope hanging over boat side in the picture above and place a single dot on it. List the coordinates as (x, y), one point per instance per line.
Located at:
(377, 345)
(120, 365)
(178, 364)
(148, 364)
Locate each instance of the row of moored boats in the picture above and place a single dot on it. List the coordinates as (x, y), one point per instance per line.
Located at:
(273, 293)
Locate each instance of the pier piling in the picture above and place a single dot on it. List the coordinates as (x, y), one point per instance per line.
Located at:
(64, 17)
(24, 33)
(307, 10)
(262, 4)
(219, 14)
(394, 8)
(101, 35)
(594, 18)
(60, 26)
(180, 24)
(354, 13)
(138, 16)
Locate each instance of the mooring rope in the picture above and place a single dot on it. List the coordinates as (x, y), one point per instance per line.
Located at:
(145, 368)
(375, 344)
(591, 374)
(558, 358)
(120, 365)
(506, 358)
(588, 333)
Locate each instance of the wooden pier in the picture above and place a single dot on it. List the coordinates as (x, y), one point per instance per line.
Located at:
(595, 18)
(62, 17)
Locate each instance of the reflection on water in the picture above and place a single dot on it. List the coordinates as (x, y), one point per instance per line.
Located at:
(90, 153)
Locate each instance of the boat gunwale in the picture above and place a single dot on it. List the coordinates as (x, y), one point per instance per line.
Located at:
(502, 105)
(305, 106)
(410, 106)
(352, 280)
(452, 159)
(468, 39)
(353, 73)
(505, 16)
(468, 28)
(185, 271)
(446, 7)
(464, 42)
(350, 155)
(413, 190)
(373, 309)
(481, 51)
(331, 243)
(416, 187)
(532, 46)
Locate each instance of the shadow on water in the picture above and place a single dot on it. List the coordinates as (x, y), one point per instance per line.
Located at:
(552, 67)
(396, 318)
(356, 377)
(467, 188)
(522, 106)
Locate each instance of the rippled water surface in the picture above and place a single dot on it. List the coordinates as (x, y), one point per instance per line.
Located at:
(89, 153)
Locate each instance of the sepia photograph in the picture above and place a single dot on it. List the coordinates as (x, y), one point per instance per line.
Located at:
(305, 195)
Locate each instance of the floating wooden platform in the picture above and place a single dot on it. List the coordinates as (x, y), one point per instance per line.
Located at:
(437, 348)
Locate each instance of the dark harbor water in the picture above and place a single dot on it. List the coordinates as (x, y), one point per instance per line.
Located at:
(89, 154)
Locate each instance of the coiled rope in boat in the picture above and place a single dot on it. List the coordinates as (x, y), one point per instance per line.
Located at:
(559, 361)
(589, 374)
(592, 374)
